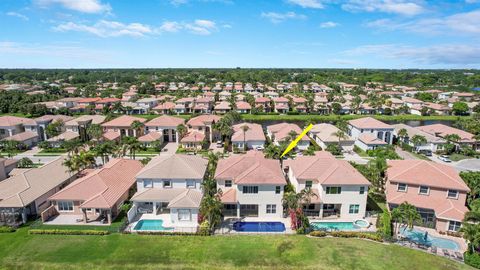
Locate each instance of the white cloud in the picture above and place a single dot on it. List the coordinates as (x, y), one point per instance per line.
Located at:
(85, 6)
(307, 3)
(18, 15)
(446, 54)
(460, 23)
(170, 27)
(401, 7)
(54, 50)
(205, 23)
(275, 17)
(178, 2)
(105, 28)
(328, 24)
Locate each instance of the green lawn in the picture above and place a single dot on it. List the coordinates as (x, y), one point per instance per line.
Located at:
(458, 157)
(313, 117)
(117, 251)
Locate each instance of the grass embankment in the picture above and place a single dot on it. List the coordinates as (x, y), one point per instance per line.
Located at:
(333, 118)
(116, 251)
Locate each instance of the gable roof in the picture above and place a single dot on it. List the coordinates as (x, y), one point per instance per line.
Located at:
(24, 188)
(422, 172)
(326, 133)
(175, 167)
(123, 121)
(280, 131)
(103, 187)
(96, 119)
(442, 130)
(8, 121)
(325, 169)
(250, 168)
(368, 122)
(254, 132)
(203, 120)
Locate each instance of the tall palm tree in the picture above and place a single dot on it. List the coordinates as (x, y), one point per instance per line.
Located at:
(418, 140)
(402, 133)
(410, 214)
(103, 150)
(182, 130)
(245, 128)
(136, 126)
(95, 132)
(471, 233)
(292, 135)
(133, 145)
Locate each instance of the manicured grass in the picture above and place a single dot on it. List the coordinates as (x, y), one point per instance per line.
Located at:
(458, 157)
(328, 118)
(117, 251)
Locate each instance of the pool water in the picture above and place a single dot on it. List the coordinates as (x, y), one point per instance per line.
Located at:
(151, 225)
(418, 236)
(259, 226)
(334, 226)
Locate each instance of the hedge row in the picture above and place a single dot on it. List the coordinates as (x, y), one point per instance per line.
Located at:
(168, 233)
(370, 236)
(6, 229)
(68, 232)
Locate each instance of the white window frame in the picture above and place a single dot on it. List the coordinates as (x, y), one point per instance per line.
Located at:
(271, 209)
(278, 189)
(329, 189)
(230, 183)
(62, 204)
(355, 208)
(362, 190)
(250, 189)
(184, 212)
(455, 226)
(422, 193)
(147, 181)
(450, 197)
(398, 187)
(164, 183)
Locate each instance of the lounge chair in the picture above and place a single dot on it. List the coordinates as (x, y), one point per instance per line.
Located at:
(446, 253)
(458, 256)
(433, 250)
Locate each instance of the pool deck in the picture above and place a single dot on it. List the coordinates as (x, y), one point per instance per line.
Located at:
(167, 223)
(432, 232)
(227, 225)
(370, 220)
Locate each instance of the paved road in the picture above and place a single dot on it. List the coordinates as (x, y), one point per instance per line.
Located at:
(404, 154)
(468, 165)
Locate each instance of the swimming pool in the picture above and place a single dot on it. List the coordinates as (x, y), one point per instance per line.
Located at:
(418, 236)
(259, 226)
(339, 226)
(151, 225)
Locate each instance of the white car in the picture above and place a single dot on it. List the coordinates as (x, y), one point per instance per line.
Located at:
(259, 148)
(444, 158)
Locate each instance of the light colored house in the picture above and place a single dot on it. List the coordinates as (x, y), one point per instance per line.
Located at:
(147, 103)
(170, 187)
(243, 107)
(433, 143)
(11, 125)
(25, 194)
(281, 104)
(366, 129)
(251, 185)
(27, 138)
(96, 196)
(280, 132)
(164, 125)
(121, 126)
(203, 124)
(45, 120)
(435, 189)
(441, 130)
(341, 191)
(222, 107)
(325, 134)
(253, 136)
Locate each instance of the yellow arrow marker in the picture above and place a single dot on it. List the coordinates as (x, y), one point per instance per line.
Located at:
(294, 143)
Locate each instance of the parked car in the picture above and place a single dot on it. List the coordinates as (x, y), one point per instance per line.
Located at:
(219, 143)
(444, 158)
(427, 153)
(260, 148)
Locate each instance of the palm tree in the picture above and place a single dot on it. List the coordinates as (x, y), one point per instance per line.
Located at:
(418, 140)
(471, 233)
(306, 196)
(398, 218)
(292, 135)
(182, 130)
(95, 132)
(103, 150)
(133, 145)
(136, 126)
(410, 214)
(402, 133)
(245, 128)
(452, 138)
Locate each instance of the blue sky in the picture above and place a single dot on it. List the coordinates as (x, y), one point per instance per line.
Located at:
(239, 33)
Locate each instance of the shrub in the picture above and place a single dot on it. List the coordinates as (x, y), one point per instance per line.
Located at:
(68, 232)
(6, 229)
(318, 234)
(362, 235)
(204, 228)
(472, 259)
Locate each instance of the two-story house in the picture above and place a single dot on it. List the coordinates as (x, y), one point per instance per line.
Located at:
(370, 133)
(435, 189)
(169, 187)
(341, 191)
(249, 135)
(121, 127)
(282, 132)
(252, 186)
(162, 129)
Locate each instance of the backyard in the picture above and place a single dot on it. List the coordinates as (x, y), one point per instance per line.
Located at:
(23, 251)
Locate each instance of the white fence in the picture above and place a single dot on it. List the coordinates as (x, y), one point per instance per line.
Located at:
(132, 213)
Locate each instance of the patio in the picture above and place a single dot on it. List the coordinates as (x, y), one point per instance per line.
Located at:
(72, 220)
(167, 222)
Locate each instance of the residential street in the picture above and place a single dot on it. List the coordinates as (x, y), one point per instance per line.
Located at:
(404, 154)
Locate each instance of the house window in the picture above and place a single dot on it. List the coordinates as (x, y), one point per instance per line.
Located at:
(147, 183)
(184, 215)
(362, 190)
(354, 209)
(454, 226)
(228, 183)
(308, 184)
(66, 206)
(167, 183)
(190, 183)
(278, 189)
(334, 190)
(402, 187)
(250, 189)
(423, 190)
(452, 194)
(271, 208)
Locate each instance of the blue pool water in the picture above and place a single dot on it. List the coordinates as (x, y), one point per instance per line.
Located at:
(339, 226)
(418, 236)
(151, 225)
(259, 227)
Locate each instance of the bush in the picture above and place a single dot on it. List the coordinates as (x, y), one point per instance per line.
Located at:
(472, 259)
(335, 149)
(362, 235)
(384, 225)
(169, 233)
(6, 229)
(68, 232)
(204, 228)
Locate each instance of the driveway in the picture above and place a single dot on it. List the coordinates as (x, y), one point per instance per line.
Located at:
(468, 165)
(354, 157)
(404, 154)
(170, 148)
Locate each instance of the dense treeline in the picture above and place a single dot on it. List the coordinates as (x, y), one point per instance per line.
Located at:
(458, 79)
